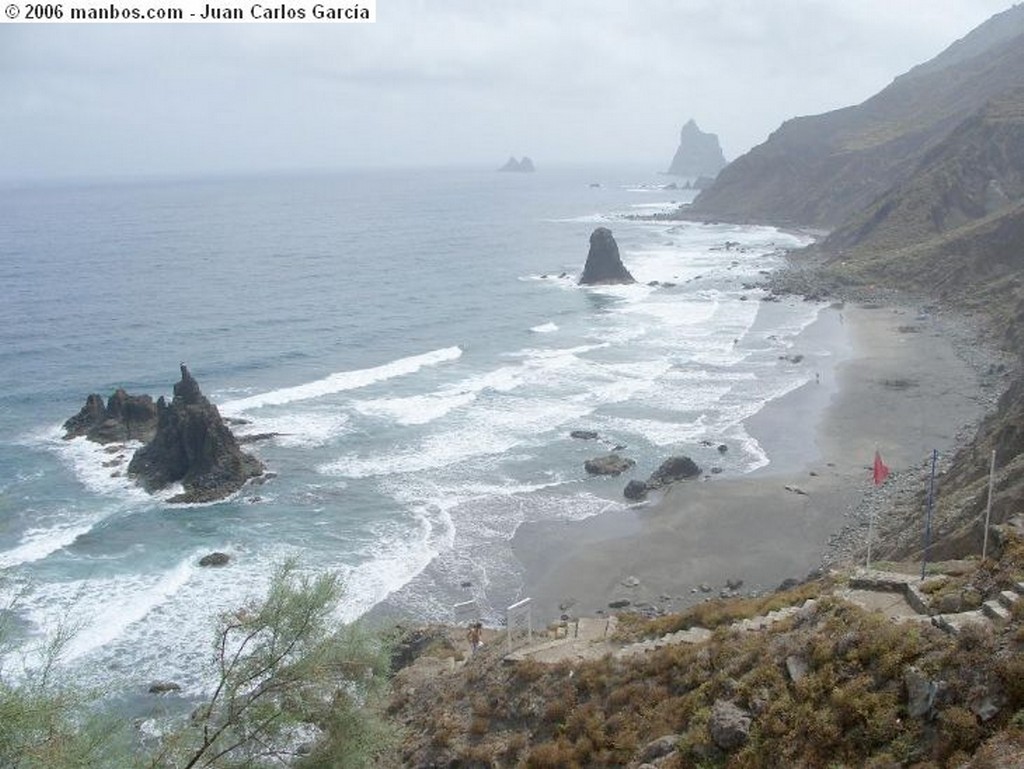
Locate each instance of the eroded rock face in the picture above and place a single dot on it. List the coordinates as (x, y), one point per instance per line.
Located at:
(604, 265)
(193, 446)
(124, 418)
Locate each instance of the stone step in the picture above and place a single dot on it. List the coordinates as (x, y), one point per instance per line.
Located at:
(996, 612)
(1019, 587)
(1008, 598)
(954, 623)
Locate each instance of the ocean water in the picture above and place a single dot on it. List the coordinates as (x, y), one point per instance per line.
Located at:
(418, 341)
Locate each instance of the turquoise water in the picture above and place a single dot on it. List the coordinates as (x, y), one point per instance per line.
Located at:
(410, 339)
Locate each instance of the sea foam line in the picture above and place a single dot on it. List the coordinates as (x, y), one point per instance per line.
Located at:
(344, 380)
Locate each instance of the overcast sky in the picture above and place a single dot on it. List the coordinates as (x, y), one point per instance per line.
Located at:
(449, 81)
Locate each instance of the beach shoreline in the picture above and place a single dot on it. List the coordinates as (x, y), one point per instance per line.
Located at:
(889, 377)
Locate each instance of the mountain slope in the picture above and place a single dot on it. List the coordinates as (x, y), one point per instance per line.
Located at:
(819, 170)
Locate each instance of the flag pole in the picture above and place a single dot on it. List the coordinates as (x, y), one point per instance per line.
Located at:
(871, 517)
(988, 507)
(928, 518)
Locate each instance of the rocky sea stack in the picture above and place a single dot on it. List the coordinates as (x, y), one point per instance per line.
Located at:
(124, 418)
(193, 446)
(699, 154)
(603, 262)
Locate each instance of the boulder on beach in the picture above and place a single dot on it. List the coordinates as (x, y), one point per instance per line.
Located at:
(604, 265)
(610, 464)
(193, 446)
(123, 418)
(673, 469)
(584, 435)
(635, 490)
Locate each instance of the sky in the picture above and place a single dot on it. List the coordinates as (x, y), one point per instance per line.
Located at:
(441, 82)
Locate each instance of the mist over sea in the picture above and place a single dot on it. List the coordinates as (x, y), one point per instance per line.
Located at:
(408, 336)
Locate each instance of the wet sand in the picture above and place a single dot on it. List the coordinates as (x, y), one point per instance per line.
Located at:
(888, 378)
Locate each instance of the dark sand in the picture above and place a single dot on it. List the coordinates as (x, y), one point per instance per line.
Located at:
(887, 379)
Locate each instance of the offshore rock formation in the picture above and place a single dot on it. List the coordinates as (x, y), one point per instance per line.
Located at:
(124, 418)
(192, 446)
(603, 262)
(524, 166)
(699, 154)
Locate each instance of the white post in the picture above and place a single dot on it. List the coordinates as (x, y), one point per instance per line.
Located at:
(871, 531)
(988, 507)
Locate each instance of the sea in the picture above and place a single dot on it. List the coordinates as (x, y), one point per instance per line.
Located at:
(418, 343)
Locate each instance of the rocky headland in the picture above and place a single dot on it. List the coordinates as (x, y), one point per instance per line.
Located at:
(604, 265)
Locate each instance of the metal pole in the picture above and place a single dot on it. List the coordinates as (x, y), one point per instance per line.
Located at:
(988, 507)
(928, 519)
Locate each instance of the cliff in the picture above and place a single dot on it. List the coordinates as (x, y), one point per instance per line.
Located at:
(820, 170)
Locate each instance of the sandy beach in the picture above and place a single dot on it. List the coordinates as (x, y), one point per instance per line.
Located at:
(887, 377)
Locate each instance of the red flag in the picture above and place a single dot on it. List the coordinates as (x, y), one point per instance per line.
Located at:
(881, 471)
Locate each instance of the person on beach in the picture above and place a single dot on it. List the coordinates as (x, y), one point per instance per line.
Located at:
(473, 636)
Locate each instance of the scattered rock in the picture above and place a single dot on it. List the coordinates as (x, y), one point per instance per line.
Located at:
(622, 603)
(722, 448)
(630, 581)
(734, 584)
(215, 559)
(611, 464)
(658, 748)
(604, 265)
(584, 435)
(635, 490)
(729, 725)
(673, 469)
(796, 490)
(465, 583)
(163, 687)
(797, 667)
(921, 692)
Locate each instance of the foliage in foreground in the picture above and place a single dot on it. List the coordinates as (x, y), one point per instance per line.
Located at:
(284, 675)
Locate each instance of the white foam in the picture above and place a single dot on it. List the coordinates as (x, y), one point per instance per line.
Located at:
(421, 409)
(343, 380)
(396, 558)
(37, 544)
(300, 429)
(87, 460)
(415, 409)
(544, 328)
(502, 424)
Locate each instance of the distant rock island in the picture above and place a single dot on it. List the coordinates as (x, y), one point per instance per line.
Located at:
(186, 441)
(603, 262)
(524, 166)
(699, 153)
